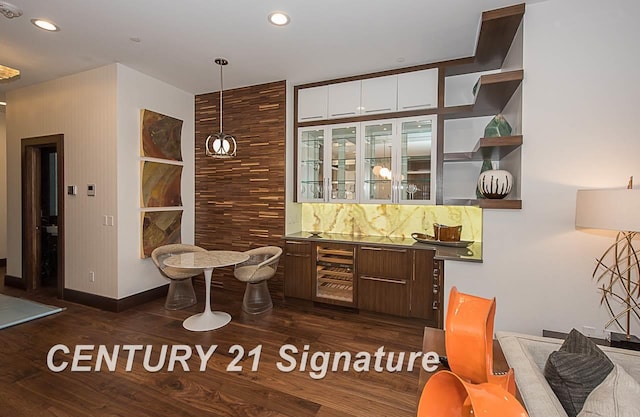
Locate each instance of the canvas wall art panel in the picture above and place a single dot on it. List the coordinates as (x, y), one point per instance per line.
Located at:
(160, 228)
(161, 184)
(161, 136)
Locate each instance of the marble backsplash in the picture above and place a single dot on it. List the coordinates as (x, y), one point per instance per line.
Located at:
(390, 219)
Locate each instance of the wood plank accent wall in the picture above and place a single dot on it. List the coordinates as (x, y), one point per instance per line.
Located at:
(240, 202)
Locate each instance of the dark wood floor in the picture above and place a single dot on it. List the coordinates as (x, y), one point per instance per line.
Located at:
(29, 388)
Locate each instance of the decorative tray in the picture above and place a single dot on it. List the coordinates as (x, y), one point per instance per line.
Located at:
(424, 238)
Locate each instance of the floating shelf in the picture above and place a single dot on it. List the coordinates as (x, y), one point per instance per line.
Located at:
(497, 30)
(494, 92)
(485, 203)
(487, 148)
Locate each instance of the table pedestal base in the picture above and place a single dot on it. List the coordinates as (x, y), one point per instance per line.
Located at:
(209, 320)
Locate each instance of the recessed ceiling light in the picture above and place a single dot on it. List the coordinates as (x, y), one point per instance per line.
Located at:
(279, 19)
(45, 24)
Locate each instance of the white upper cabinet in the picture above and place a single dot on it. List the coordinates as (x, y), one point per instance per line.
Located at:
(312, 103)
(418, 90)
(344, 99)
(379, 95)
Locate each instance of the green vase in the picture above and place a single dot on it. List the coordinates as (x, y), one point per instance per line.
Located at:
(486, 166)
(498, 126)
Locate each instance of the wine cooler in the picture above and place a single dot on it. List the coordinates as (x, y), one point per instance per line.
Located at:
(334, 281)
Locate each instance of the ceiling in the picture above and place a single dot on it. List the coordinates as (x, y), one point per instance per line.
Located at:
(177, 41)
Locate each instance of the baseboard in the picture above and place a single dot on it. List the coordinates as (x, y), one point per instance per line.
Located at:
(17, 282)
(143, 297)
(3, 262)
(112, 304)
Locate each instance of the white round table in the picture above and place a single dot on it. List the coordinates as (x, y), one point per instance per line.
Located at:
(207, 320)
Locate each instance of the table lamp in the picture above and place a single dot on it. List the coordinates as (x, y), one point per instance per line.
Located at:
(618, 269)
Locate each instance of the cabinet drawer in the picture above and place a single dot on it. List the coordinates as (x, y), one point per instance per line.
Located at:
(297, 247)
(384, 262)
(383, 295)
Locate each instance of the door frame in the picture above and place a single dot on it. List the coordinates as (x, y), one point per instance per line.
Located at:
(48, 141)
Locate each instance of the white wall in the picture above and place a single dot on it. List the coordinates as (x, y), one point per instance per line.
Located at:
(138, 91)
(3, 186)
(580, 131)
(83, 108)
(98, 112)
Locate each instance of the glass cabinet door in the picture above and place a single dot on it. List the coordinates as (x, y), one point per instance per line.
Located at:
(343, 148)
(416, 179)
(311, 164)
(377, 151)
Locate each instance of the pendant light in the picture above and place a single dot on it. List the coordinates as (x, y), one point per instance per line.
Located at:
(221, 145)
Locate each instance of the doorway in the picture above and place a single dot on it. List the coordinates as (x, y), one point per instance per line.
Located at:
(43, 213)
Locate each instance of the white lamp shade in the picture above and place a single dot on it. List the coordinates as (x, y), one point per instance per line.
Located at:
(611, 209)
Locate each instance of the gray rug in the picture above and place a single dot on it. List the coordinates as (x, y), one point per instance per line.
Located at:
(17, 310)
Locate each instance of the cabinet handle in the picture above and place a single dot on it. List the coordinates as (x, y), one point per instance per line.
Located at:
(376, 110)
(413, 106)
(311, 117)
(390, 281)
(294, 242)
(393, 191)
(298, 255)
(384, 249)
(343, 114)
(327, 187)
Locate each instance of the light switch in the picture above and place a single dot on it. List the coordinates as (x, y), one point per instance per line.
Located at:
(91, 190)
(72, 189)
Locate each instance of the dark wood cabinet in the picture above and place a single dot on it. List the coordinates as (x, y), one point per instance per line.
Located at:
(384, 279)
(297, 269)
(400, 281)
(426, 288)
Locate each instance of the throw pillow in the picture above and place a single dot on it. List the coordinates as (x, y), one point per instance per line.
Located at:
(617, 396)
(575, 370)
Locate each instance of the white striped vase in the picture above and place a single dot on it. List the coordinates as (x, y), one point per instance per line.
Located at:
(495, 183)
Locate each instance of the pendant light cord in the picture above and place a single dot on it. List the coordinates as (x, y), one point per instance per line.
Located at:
(221, 88)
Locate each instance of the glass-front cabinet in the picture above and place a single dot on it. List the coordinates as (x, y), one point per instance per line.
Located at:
(417, 162)
(398, 161)
(311, 164)
(383, 162)
(377, 146)
(327, 164)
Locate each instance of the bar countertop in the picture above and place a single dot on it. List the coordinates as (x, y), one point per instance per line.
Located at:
(473, 253)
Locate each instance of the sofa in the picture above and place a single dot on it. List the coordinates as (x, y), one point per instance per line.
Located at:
(527, 355)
